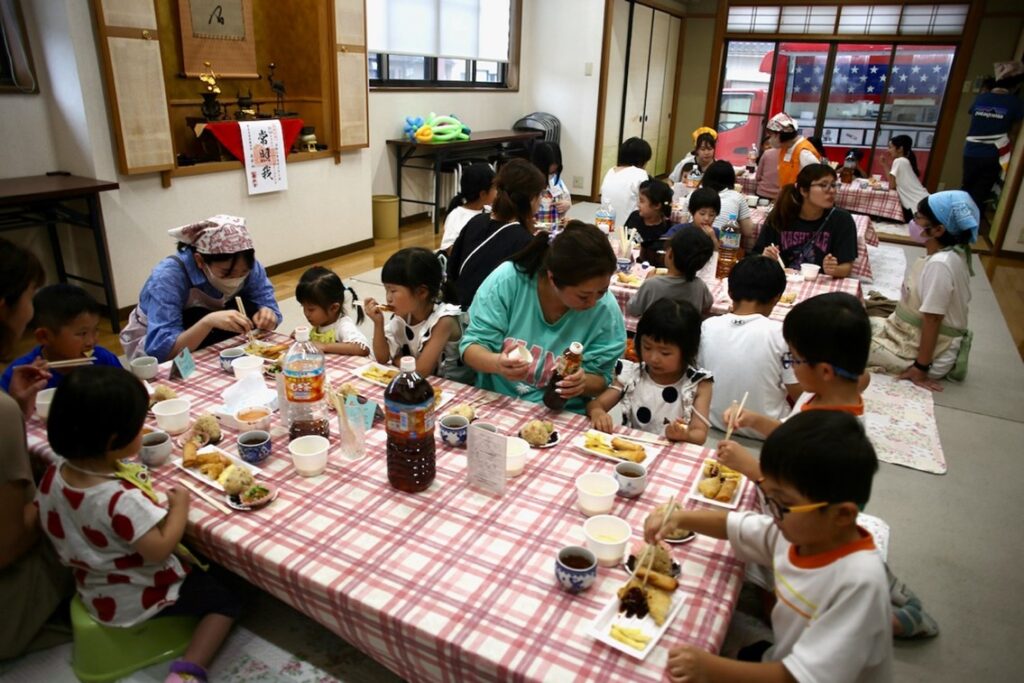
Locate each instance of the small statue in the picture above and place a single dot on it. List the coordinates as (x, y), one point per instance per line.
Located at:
(278, 88)
(247, 110)
(212, 109)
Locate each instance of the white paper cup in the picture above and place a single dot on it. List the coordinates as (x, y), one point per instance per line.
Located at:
(309, 454)
(515, 456)
(607, 536)
(595, 493)
(172, 416)
(253, 418)
(810, 271)
(145, 367)
(247, 365)
(43, 400)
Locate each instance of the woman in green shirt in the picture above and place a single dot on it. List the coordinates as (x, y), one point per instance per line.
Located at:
(545, 298)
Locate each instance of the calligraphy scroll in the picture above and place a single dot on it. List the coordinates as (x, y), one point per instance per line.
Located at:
(263, 149)
(220, 32)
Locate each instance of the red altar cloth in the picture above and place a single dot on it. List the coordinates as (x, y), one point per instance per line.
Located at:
(229, 134)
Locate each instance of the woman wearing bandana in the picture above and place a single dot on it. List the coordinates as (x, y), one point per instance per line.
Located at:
(189, 299)
(926, 337)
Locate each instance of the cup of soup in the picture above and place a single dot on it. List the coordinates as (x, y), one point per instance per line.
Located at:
(253, 417)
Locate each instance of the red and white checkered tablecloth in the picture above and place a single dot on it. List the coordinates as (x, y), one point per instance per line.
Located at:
(853, 198)
(865, 235)
(723, 303)
(451, 584)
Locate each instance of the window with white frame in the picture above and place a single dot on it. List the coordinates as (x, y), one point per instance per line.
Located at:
(439, 43)
(853, 20)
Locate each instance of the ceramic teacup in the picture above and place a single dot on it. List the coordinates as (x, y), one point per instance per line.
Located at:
(254, 446)
(575, 568)
(632, 478)
(156, 448)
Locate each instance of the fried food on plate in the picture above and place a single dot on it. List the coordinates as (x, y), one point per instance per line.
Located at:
(537, 432)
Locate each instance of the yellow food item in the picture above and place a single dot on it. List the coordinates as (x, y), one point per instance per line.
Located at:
(658, 602)
(537, 432)
(206, 429)
(162, 393)
(633, 637)
(212, 470)
(268, 351)
(437, 396)
(787, 298)
(616, 448)
(658, 580)
(629, 279)
(662, 562)
(464, 410)
(235, 479)
(727, 491)
(376, 373)
(710, 487)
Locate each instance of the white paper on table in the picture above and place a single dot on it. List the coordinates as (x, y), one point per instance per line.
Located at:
(263, 152)
(486, 454)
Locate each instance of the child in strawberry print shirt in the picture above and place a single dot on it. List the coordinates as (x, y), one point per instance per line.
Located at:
(101, 514)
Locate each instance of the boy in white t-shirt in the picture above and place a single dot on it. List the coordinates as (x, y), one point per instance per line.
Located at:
(831, 619)
(747, 347)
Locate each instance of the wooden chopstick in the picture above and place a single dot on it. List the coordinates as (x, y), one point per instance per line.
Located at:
(644, 439)
(702, 418)
(205, 496)
(735, 416)
(241, 309)
(650, 560)
(72, 363)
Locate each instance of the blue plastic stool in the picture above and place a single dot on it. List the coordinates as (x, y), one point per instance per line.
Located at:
(102, 654)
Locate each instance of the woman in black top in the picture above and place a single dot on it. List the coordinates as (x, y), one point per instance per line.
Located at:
(488, 240)
(806, 227)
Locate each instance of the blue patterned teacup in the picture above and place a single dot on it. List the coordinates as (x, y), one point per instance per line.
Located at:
(454, 429)
(575, 568)
(254, 446)
(228, 355)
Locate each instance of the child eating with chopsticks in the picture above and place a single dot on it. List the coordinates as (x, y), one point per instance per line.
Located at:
(106, 524)
(664, 393)
(66, 322)
(322, 295)
(831, 619)
(829, 337)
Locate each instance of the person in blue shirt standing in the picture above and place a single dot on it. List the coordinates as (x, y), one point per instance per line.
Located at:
(66, 322)
(995, 119)
(189, 298)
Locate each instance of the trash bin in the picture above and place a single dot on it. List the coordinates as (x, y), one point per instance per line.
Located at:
(385, 216)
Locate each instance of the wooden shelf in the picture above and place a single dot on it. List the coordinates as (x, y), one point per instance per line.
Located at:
(221, 166)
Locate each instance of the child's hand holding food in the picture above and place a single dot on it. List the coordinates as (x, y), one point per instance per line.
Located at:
(373, 311)
(677, 431)
(601, 420)
(735, 456)
(265, 319)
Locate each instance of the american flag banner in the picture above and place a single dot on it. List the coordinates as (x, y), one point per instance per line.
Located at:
(858, 78)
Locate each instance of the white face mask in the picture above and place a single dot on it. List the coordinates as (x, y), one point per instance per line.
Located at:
(228, 286)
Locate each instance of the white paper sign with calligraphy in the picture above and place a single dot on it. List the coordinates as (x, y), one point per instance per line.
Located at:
(263, 146)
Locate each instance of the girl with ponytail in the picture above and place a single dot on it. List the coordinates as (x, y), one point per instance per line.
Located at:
(904, 176)
(475, 196)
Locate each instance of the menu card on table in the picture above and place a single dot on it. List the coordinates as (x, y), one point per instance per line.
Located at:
(486, 455)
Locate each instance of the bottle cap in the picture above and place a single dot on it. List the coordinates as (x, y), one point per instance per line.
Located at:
(407, 364)
(302, 334)
(576, 348)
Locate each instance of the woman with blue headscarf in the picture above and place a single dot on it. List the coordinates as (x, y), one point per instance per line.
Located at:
(926, 337)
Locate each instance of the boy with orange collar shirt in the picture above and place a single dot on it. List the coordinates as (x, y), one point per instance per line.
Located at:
(831, 619)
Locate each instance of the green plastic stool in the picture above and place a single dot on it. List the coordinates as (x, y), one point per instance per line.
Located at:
(102, 654)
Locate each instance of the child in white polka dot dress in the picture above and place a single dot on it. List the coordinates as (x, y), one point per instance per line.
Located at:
(664, 394)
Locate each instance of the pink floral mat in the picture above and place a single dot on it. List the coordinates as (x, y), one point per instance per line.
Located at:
(900, 420)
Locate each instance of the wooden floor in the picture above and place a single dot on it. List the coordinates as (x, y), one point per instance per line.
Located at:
(1006, 274)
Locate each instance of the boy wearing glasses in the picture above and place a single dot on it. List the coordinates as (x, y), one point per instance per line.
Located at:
(831, 619)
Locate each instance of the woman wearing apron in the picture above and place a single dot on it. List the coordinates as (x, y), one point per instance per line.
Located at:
(926, 337)
(189, 299)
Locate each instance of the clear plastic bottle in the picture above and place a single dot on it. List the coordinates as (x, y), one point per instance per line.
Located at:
(605, 217)
(728, 247)
(409, 421)
(304, 375)
(752, 158)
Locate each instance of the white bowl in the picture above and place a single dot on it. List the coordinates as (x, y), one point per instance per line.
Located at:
(810, 271)
(607, 536)
(261, 424)
(145, 367)
(309, 454)
(247, 365)
(172, 416)
(595, 493)
(515, 456)
(43, 400)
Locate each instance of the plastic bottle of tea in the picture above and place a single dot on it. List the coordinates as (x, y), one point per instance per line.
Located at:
(728, 248)
(409, 420)
(604, 217)
(565, 365)
(303, 371)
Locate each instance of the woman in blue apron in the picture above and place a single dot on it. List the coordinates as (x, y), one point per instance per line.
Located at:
(189, 298)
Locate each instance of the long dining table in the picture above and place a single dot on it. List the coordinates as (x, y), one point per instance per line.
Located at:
(451, 584)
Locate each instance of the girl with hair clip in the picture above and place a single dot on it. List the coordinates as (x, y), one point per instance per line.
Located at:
(661, 394)
(694, 164)
(32, 581)
(476, 195)
(555, 200)
(421, 325)
(651, 219)
(546, 298)
(805, 226)
(720, 176)
(926, 337)
(322, 295)
(904, 176)
(489, 239)
(621, 184)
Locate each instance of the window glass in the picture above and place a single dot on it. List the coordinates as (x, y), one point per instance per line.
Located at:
(452, 69)
(407, 68)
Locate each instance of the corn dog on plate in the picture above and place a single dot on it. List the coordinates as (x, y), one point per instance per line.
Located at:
(718, 485)
(615, 448)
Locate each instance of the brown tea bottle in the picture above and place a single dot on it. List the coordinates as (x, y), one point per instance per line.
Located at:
(565, 365)
(409, 420)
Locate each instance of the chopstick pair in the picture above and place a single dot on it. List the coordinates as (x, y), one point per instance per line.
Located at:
(650, 552)
(241, 309)
(72, 363)
(205, 496)
(735, 416)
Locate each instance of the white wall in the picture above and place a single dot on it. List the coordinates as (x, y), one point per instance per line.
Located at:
(67, 126)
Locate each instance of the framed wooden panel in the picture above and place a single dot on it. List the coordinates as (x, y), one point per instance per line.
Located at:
(221, 32)
(352, 80)
(135, 85)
